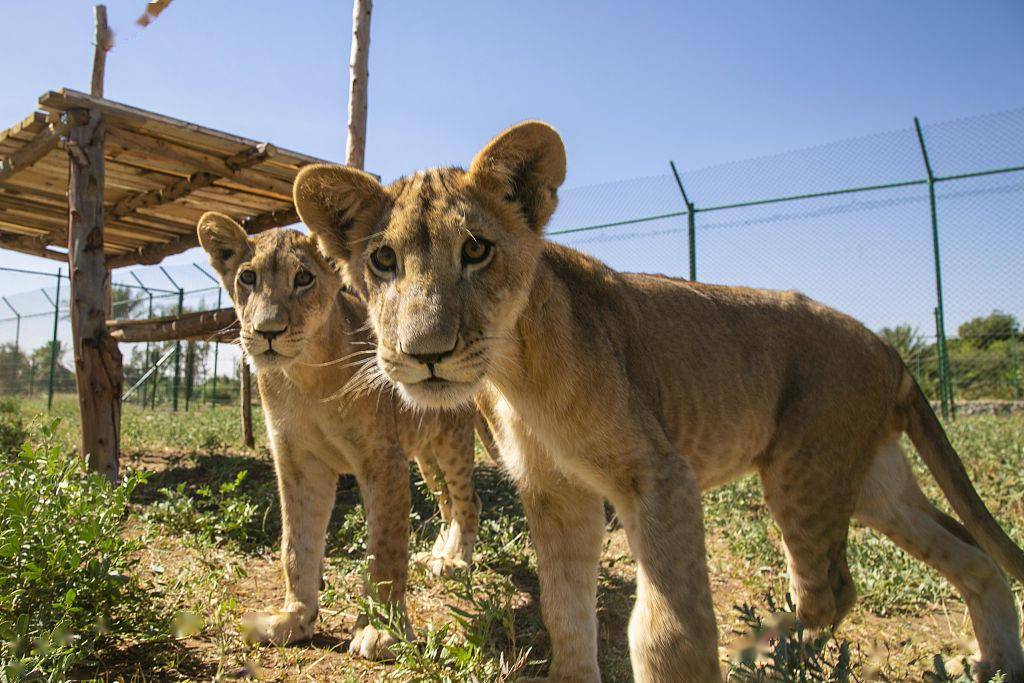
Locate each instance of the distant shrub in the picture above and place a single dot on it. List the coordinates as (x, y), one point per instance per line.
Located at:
(12, 427)
(66, 585)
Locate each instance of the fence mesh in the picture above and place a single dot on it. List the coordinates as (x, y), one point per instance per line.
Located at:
(849, 223)
(175, 375)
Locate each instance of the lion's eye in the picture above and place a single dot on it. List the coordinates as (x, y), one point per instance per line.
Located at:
(247, 277)
(384, 260)
(303, 278)
(476, 250)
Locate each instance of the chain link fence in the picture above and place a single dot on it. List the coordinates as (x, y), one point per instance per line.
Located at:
(36, 357)
(916, 232)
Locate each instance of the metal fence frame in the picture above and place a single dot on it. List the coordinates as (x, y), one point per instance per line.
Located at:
(691, 211)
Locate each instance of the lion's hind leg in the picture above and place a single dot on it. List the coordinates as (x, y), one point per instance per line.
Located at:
(892, 503)
(449, 457)
(813, 511)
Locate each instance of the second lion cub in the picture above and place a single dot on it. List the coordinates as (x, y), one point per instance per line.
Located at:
(326, 416)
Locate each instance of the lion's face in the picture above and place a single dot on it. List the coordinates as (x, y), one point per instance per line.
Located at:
(281, 286)
(445, 258)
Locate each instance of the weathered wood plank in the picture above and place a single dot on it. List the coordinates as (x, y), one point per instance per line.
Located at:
(219, 325)
(98, 370)
(162, 126)
(35, 150)
(245, 396)
(158, 252)
(166, 195)
(36, 246)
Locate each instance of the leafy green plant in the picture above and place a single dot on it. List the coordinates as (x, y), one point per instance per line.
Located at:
(67, 590)
(781, 651)
(478, 644)
(12, 427)
(218, 515)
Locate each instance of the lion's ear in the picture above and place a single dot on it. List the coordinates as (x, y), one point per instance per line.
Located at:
(337, 203)
(224, 240)
(525, 165)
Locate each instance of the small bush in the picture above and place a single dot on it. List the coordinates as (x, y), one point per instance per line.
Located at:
(12, 428)
(778, 649)
(227, 514)
(66, 585)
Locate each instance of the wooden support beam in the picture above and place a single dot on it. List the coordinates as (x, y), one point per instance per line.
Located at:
(359, 76)
(104, 41)
(36, 246)
(41, 145)
(98, 371)
(245, 396)
(176, 190)
(156, 253)
(220, 325)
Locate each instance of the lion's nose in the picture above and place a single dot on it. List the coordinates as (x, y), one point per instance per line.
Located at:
(431, 358)
(271, 335)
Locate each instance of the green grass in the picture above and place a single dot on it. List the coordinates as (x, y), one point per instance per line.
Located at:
(195, 545)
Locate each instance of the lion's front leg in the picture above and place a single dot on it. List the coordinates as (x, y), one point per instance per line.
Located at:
(672, 631)
(307, 489)
(384, 485)
(566, 526)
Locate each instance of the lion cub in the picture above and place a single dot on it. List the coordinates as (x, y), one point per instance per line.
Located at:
(326, 415)
(645, 390)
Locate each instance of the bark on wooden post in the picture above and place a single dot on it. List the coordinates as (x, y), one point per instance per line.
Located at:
(98, 371)
(359, 76)
(104, 41)
(246, 398)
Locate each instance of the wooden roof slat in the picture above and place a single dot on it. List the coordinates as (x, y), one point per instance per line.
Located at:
(157, 253)
(161, 126)
(46, 141)
(140, 151)
(244, 159)
(160, 175)
(31, 124)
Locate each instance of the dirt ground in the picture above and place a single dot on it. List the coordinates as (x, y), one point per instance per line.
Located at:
(210, 585)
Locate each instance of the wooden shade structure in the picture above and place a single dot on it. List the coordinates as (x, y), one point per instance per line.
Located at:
(103, 185)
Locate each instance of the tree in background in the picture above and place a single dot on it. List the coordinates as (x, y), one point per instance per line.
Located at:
(982, 332)
(906, 339)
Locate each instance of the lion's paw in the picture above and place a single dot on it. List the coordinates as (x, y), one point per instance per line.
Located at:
(370, 643)
(277, 627)
(439, 565)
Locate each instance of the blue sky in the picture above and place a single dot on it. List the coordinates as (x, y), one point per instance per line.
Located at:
(629, 84)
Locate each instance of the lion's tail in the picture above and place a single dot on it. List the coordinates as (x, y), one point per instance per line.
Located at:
(483, 432)
(931, 442)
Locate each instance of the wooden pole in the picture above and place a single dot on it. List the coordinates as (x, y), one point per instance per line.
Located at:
(359, 76)
(98, 370)
(246, 398)
(104, 41)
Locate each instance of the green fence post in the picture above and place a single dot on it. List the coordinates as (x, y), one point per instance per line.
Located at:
(216, 352)
(216, 344)
(176, 384)
(940, 318)
(1014, 378)
(53, 344)
(940, 344)
(691, 222)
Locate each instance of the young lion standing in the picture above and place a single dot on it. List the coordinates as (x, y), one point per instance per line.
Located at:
(326, 415)
(644, 390)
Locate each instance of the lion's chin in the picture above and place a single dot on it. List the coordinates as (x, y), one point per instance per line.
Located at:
(438, 394)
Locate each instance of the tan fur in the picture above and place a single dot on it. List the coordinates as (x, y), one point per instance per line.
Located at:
(645, 390)
(327, 415)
